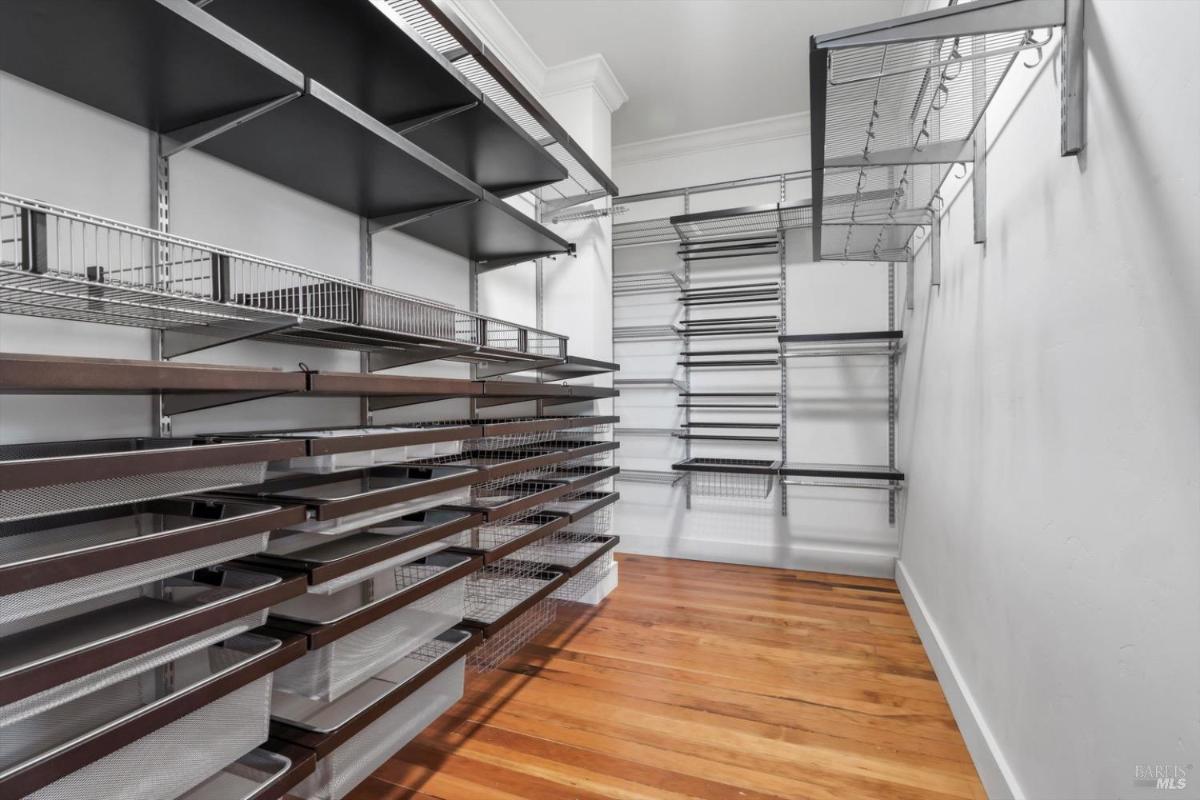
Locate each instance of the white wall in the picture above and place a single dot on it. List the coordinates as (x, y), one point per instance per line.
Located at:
(1050, 428)
(838, 407)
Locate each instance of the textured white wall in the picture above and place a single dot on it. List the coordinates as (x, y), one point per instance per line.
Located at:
(1050, 427)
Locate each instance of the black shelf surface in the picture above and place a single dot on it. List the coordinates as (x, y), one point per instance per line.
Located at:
(746, 466)
(578, 367)
(855, 471)
(369, 57)
(837, 338)
(162, 65)
(200, 71)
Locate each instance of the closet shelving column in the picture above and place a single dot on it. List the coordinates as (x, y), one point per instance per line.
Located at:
(376, 493)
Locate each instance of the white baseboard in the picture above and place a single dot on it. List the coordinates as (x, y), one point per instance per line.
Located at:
(864, 562)
(998, 778)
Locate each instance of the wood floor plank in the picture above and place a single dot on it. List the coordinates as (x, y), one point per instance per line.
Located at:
(699, 681)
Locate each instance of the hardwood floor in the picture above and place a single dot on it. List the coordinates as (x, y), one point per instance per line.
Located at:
(698, 680)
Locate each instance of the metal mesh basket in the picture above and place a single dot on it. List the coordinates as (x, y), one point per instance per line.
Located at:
(336, 668)
(604, 459)
(588, 579)
(500, 587)
(598, 522)
(497, 649)
(496, 534)
(228, 727)
(492, 495)
(348, 765)
(40, 501)
(43, 599)
(561, 549)
(601, 432)
(749, 486)
(242, 779)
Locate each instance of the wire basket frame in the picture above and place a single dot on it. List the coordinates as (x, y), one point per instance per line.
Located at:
(509, 488)
(64, 264)
(500, 587)
(561, 549)
(604, 459)
(497, 649)
(586, 581)
(492, 535)
(601, 432)
(598, 522)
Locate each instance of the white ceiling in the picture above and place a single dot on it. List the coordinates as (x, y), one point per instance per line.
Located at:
(688, 65)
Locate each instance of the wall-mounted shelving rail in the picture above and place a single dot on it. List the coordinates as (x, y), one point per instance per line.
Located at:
(896, 103)
(64, 264)
(445, 31)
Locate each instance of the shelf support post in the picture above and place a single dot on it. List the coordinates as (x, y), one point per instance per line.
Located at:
(979, 98)
(366, 274)
(1074, 81)
(935, 242)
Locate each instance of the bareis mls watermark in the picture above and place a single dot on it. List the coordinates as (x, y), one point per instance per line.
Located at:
(1161, 776)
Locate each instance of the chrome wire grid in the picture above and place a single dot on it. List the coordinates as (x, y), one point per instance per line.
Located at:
(500, 587)
(888, 106)
(511, 487)
(602, 432)
(498, 648)
(741, 485)
(645, 332)
(64, 264)
(599, 522)
(431, 651)
(560, 549)
(647, 283)
(578, 181)
(604, 459)
(643, 231)
(582, 584)
(765, 220)
(493, 535)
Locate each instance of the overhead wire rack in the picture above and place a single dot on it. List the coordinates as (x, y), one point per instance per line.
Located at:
(63, 264)
(895, 104)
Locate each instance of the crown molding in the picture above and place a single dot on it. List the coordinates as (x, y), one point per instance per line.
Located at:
(756, 131)
(588, 72)
(499, 35)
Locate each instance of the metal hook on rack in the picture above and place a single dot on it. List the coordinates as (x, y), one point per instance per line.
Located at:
(962, 164)
(954, 58)
(1037, 46)
(942, 91)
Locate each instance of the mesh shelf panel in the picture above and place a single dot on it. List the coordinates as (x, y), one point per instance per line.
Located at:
(339, 666)
(497, 649)
(598, 522)
(644, 231)
(559, 549)
(501, 587)
(601, 432)
(195, 747)
(98, 270)
(493, 535)
(581, 585)
(602, 459)
(40, 501)
(893, 105)
(33, 602)
(348, 765)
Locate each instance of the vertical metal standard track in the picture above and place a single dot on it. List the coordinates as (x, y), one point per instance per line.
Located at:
(366, 274)
(783, 329)
(892, 390)
(687, 370)
(160, 216)
(979, 144)
(473, 301)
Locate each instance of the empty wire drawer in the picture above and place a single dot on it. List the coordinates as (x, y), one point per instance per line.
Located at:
(101, 743)
(55, 561)
(357, 630)
(55, 477)
(354, 735)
